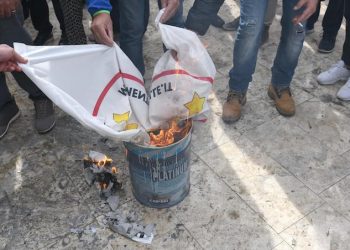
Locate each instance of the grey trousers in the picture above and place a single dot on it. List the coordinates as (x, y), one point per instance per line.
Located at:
(270, 12)
(11, 30)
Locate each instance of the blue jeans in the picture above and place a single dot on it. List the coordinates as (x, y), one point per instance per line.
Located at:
(133, 20)
(248, 41)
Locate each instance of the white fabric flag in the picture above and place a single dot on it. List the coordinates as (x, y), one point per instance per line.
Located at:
(101, 88)
(93, 84)
(182, 78)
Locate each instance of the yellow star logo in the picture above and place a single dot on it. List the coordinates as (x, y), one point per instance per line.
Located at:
(119, 118)
(131, 126)
(196, 105)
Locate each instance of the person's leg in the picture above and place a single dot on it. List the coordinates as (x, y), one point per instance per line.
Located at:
(177, 20)
(290, 46)
(310, 23)
(8, 108)
(147, 13)
(270, 12)
(341, 70)
(5, 95)
(344, 92)
(331, 24)
(269, 17)
(201, 14)
(132, 27)
(59, 15)
(247, 44)
(115, 16)
(245, 53)
(25, 7)
(11, 30)
(333, 18)
(73, 21)
(39, 12)
(346, 46)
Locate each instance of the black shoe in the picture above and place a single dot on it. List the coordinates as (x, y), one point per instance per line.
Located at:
(42, 38)
(45, 115)
(231, 26)
(8, 114)
(217, 22)
(265, 35)
(326, 44)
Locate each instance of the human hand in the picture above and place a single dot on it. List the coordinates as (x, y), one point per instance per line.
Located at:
(9, 59)
(8, 7)
(310, 7)
(102, 28)
(170, 7)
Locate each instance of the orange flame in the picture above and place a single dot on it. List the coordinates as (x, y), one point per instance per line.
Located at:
(103, 162)
(173, 134)
(114, 170)
(103, 185)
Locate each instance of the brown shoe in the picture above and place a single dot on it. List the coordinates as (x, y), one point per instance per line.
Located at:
(283, 100)
(231, 111)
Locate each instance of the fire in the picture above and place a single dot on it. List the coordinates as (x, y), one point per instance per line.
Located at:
(177, 131)
(98, 170)
(103, 162)
(103, 185)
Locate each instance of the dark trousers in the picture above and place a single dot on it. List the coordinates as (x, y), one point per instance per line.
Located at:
(11, 30)
(177, 20)
(133, 20)
(200, 15)
(39, 12)
(346, 47)
(332, 19)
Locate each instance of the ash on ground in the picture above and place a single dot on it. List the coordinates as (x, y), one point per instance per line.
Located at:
(99, 171)
(129, 225)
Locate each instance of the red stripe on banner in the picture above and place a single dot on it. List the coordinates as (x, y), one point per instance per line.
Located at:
(203, 120)
(133, 78)
(109, 86)
(182, 72)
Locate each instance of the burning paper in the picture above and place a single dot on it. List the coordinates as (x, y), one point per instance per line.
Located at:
(177, 130)
(98, 169)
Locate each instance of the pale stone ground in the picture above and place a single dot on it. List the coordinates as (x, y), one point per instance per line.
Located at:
(266, 182)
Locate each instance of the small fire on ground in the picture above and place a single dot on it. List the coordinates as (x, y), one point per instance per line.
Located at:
(98, 168)
(177, 130)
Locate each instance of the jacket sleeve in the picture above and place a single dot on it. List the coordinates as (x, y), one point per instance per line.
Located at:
(98, 5)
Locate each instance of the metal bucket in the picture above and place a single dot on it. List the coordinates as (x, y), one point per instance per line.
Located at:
(160, 177)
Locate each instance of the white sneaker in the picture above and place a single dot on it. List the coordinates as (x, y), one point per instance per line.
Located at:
(336, 73)
(344, 92)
